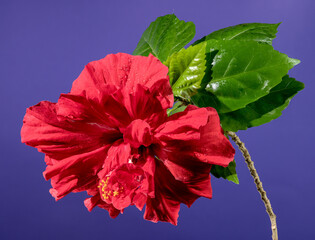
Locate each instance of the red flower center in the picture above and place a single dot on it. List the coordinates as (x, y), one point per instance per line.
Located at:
(122, 185)
(138, 133)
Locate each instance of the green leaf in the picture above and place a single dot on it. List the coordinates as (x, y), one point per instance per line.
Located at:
(228, 172)
(177, 107)
(243, 72)
(164, 36)
(259, 32)
(187, 69)
(263, 110)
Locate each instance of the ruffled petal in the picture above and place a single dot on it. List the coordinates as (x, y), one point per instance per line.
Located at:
(183, 167)
(169, 193)
(109, 113)
(149, 169)
(123, 71)
(183, 125)
(118, 154)
(192, 140)
(138, 133)
(214, 147)
(60, 137)
(96, 200)
(162, 209)
(147, 71)
(78, 108)
(89, 162)
(76, 173)
(142, 104)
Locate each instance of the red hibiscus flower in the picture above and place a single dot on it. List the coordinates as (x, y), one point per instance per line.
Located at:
(111, 136)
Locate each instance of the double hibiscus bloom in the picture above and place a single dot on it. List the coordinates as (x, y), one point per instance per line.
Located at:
(111, 136)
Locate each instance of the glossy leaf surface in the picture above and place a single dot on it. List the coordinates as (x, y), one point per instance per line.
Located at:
(259, 32)
(243, 72)
(165, 36)
(187, 69)
(263, 110)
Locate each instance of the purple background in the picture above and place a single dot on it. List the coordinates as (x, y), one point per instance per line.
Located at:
(44, 45)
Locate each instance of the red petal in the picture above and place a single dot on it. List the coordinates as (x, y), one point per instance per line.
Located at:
(76, 173)
(139, 200)
(184, 168)
(78, 108)
(149, 169)
(169, 193)
(64, 187)
(96, 200)
(162, 209)
(122, 71)
(146, 71)
(164, 92)
(108, 113)
(138, 133)
(89, 162)
(59, 137)
(183, 125)
(143, 104)
(118, 154)
(214, 147)
(184, 153)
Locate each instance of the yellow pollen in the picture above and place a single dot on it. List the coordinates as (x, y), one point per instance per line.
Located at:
(105, 192)
(103, 186)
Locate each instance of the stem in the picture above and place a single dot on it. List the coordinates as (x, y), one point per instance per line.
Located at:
(253, 172)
